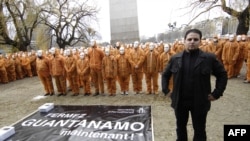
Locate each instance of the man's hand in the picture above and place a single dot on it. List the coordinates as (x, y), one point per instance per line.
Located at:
(211, 97)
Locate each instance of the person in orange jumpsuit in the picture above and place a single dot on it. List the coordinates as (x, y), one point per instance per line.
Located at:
(164, 58)
(25, 63)
(18, 68)
(151, 69)
(230, 54)
(83, 71)
(3, 72)
(71, 72)
(58, 72)
(10, 67)
(123, 70)
(95, 62)
(136, 59)
(109, 71)
(218, 45)
(32, 57)
(241, 56)
(43, 72)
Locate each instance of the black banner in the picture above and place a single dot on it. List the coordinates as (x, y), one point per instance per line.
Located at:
(87, 123)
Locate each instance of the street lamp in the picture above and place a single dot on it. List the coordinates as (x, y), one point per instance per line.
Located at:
(172, 26)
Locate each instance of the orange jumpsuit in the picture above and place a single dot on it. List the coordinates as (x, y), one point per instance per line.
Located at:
(3, 72)
(83, 71)
(136, 59)
(240, 59)
(123, 71)
(43, 72)
(164, 58)
(230, 54)
(18, 68)
(10, 68)
(109, 73)
(25, 63)
(218, 49)
(71, 73)
(95, 60)
(151, 70)
(58, 72)
(32, 58)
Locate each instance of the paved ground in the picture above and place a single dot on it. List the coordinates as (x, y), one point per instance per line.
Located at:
(17, 101)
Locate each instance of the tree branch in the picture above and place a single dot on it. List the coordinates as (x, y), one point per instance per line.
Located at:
(229, 10)
(202, 13)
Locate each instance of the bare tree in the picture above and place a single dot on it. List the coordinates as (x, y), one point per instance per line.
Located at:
(18, 20)
(70, 21)
(236, 8)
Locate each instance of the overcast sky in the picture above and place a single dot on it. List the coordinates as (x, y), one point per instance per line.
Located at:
(153, 16)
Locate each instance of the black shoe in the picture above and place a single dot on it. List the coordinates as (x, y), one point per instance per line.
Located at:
(60, 94)
(51, 94)
(75, 94)
(64, 94)
(96, 94)
(86, 94)
(46, 94)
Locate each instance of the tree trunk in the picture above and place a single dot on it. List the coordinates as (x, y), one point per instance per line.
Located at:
(243, 20)
(243, 17)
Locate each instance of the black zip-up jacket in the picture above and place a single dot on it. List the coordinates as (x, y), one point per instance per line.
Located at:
(205, 65)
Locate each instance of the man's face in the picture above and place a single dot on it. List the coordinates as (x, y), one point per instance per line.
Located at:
(192, 41)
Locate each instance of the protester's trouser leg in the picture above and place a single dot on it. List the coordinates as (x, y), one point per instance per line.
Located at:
(148, 82)
(73, 83)
(230, 72)
(238, 66)
(124, 82)
(155, 82)
(96, 76)
(45, 84)
(109, 83)
(198, 121)
(181, 114)
(137, 81)
(199, 124)
(113, 86)
(60, 83)
(4, 77)
(50, 84)
(29, 72)
(86, 85)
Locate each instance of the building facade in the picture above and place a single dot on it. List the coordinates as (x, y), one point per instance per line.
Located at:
(124, 21)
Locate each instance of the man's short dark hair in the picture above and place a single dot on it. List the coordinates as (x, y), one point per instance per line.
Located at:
(193, 31)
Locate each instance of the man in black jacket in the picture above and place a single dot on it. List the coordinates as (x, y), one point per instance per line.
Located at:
(191, 70)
